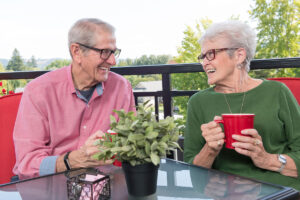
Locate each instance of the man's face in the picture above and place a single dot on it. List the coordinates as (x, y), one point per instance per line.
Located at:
(96, 68)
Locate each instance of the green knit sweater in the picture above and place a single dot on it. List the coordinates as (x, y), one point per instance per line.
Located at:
(277, 120)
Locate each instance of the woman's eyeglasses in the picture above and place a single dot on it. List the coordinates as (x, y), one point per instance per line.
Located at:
(211, 54)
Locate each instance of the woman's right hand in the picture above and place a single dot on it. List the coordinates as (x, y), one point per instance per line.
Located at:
(213, 134)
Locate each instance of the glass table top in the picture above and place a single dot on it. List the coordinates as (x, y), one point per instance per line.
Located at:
(176, 181)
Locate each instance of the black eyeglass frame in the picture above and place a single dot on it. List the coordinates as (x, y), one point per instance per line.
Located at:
(116, 52)
(214, 51)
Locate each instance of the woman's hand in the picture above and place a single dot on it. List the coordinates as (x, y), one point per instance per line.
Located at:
(214, 137)
(253, 147)
(213, 134)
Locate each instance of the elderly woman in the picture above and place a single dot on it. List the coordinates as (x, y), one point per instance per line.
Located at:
(272, 153)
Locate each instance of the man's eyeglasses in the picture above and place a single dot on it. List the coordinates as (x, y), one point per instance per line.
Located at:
(211, 54)
(104, 53)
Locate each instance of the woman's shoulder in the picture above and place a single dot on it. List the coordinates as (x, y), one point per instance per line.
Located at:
(203, 94)
(275, 85)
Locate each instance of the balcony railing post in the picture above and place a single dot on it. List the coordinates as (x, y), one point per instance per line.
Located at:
(167, 99)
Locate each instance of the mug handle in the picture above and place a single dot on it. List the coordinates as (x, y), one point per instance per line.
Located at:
(219, 121)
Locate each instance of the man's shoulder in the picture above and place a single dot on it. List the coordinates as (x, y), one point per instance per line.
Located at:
(50, 78)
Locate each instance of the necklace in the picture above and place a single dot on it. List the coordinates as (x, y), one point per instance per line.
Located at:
(241, 105)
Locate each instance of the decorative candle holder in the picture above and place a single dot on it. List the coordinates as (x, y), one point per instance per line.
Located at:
(88, 184)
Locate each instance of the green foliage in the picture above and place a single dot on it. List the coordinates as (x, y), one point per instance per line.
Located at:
(31, 63)
(136, 79)
(144, 60)
(140, 139)
(15, 63)
(2, 69)
(278, 33)
(58, 64)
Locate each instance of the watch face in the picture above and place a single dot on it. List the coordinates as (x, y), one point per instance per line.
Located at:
(282, 159)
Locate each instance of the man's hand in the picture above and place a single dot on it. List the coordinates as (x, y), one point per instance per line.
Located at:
(83, 156)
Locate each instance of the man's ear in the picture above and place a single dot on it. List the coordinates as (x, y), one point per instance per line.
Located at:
(76, 52)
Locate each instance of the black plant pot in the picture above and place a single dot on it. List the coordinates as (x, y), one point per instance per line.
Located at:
(141, 180)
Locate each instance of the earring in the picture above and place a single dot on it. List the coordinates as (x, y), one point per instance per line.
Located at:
(239, 66)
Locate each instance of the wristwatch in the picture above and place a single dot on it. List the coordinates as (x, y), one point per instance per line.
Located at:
(66, 160)
(282, 160)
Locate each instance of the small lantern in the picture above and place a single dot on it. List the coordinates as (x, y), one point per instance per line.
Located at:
(88, 184)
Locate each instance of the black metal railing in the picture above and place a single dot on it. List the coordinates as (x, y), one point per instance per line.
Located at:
(166, 71)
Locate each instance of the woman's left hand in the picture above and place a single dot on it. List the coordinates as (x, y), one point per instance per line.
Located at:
(252, 146)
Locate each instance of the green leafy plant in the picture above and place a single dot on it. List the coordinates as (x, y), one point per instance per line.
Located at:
(140, 138)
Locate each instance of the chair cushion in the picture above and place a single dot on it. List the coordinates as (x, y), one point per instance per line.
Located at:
(9, 105)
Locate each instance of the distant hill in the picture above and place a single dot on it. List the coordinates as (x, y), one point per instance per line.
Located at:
(4, 62)
(41, 63)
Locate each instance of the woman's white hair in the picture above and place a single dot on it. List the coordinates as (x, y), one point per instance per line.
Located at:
(237, 34)
(84, 31)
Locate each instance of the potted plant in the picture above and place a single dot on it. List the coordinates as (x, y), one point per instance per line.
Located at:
(141, 141)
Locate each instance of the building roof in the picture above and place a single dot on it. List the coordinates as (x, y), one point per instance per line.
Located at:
(147, 86)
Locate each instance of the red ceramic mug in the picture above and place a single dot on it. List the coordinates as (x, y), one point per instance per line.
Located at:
(234, 124)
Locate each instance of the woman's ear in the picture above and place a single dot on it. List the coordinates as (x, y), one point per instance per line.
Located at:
(241, 55)
(76, 52)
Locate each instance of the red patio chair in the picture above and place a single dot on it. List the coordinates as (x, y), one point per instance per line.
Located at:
(292, 83)
(8, 111)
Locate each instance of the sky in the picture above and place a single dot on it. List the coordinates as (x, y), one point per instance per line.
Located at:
(143, 27)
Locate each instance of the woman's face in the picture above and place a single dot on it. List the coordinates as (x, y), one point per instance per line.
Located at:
(222, 68)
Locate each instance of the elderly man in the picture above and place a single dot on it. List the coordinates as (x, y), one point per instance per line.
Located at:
(63, 112)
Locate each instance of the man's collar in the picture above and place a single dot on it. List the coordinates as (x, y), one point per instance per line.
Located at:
(99, 87)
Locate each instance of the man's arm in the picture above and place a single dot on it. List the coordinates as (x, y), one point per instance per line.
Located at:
(31, 134)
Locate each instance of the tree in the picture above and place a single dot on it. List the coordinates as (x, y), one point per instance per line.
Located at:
(151, 60)
(188, 53)
(278, 33)
(32, 63)
(125, 62)
(58, 64)
(2, 69)
(15, 63)
(144, 60)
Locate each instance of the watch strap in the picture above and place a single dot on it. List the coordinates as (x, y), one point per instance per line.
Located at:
(66, 160)
(282, 160)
